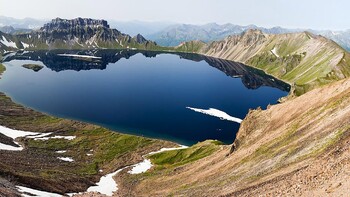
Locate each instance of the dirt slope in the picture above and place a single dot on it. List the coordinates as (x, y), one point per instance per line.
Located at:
(298, 148)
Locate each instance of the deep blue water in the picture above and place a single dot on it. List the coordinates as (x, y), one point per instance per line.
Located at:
(142, 93)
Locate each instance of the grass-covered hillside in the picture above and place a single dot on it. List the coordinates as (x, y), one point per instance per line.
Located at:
(95, 151)
(302, 59)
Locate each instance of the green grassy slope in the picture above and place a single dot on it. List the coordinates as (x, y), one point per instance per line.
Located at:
(304, 60)
(94, 149)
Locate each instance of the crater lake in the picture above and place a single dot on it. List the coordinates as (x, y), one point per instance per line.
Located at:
(184, 98)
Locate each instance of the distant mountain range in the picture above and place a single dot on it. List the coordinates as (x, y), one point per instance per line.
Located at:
(172, 34)
(12, 30)
(139, 27)
(26, 23)
(176, 34)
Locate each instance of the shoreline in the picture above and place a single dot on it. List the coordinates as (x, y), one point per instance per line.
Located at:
(29, 120)
(108, 169)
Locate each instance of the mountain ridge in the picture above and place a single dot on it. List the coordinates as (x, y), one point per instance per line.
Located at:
(175, 34)
(304, 60)
(79, 33)
(160, 32)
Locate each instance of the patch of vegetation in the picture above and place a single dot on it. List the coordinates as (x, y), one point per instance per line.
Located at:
(2, 68)
(182, 156)
(34, 67)
(190, 47)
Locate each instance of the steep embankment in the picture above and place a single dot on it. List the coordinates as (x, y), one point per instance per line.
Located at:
(302, 59)
(299, 147)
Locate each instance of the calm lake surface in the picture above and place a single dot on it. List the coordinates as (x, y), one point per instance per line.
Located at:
(142, 93)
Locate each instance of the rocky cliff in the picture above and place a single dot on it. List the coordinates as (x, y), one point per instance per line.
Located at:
(79, 33)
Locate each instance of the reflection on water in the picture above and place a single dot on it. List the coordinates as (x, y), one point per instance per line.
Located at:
(252, 78)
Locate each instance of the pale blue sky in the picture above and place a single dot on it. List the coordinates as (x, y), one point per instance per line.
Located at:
(316, 14)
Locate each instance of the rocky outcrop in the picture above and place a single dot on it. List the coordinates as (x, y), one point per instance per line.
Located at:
(59, 24)
(80, 33)
(140, 39)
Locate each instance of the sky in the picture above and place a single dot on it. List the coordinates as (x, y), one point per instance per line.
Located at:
(315, 14)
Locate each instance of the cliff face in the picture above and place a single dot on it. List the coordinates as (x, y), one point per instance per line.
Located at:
(302, 59)
(79, 33)
(59, 24)
(296, 148)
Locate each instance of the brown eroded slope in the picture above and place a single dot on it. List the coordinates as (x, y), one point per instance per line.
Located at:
(298, 148)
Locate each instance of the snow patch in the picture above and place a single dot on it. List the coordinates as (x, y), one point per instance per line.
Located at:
(141, 167)
(25, 45)
(39, 136)
(69, 159)
(106, 185)
(77, 41)
(146, 163)
(56, 137)
(275, 52)
(8, 43)
(168, 149)
(217, 113)
(92, 40)
(9, 147)
(35, 192)
(12, 133)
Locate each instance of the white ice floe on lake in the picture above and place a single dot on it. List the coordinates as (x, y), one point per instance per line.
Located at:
(217, 113)
(8, 43)
(55, 137)
(275, 52)
(34, 192)
(69, 159)
(79, 56)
